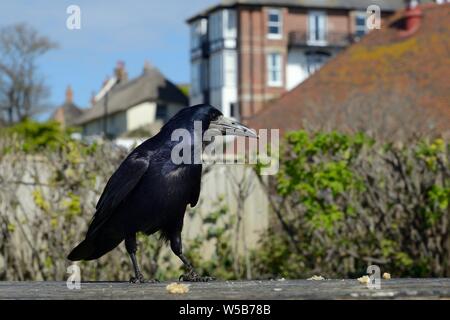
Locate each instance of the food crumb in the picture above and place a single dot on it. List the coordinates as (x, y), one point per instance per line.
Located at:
(314, 277)
(364, 279)
(386, 276)
(176, 288)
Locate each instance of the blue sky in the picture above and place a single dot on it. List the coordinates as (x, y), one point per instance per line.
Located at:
(131, 30)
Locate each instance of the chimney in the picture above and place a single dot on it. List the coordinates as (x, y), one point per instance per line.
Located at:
(412, 18)
(147, 67)
(120, 72)
(69, 94)
(93, 98)
(411, 4)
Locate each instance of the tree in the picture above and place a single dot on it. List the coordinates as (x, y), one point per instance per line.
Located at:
(22, 89)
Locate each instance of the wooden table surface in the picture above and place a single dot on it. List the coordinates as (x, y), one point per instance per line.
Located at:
(437, 288)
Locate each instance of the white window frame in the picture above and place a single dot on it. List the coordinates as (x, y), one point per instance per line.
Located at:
(278, 24)
(311, 30)
(271, 82)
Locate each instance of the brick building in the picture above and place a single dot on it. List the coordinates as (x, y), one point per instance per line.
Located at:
(245, 53)
(392, 83)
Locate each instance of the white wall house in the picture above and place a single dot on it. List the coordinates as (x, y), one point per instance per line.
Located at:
(148, 115)
(145, 102)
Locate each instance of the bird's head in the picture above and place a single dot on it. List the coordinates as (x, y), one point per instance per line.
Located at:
(211, 119)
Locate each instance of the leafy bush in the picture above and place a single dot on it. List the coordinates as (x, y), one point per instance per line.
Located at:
(340, 203)
(37, 135)
(217, 227)
(47, 198)
(343, 202)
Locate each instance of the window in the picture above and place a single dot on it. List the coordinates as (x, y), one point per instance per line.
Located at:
(215, 26)
(360, 24)
(198, 31)
(195, 78)
(234, 112)
(204, 75)
(230, 66)
(216, 71)
(274, 24)
(222, 69)
(199, 77)
(317, 27)
(195, 41)
(315, 60)
(222, 24)
(230, 17)
(274, 70)
(161, 112)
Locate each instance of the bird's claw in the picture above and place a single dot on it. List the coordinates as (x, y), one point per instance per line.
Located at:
(193, 276)
(153, 281)
(140, 279)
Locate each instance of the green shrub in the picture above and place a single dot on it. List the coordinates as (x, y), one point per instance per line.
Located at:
(37, 135)
(344, 202)
(340, 203)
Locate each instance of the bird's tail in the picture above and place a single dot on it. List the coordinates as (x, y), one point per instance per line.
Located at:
(93, 247)
(83, 251)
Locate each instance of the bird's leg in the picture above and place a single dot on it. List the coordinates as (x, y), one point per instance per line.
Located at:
(191, 275)
(130, 245)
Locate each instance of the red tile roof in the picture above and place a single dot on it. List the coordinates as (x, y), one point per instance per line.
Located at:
(385, 74)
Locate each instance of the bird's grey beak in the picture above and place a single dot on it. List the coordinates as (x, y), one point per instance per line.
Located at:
(227, 126)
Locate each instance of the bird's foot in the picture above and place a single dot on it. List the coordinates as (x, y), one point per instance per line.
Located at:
(193, 276)
(140, 279)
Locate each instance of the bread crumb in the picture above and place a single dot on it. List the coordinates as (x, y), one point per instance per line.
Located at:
(386, 276)
(176, 288)
(314, 277)
(364, 279)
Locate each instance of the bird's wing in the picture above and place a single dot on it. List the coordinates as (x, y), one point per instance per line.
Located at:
(118, 187)
(196, 185)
